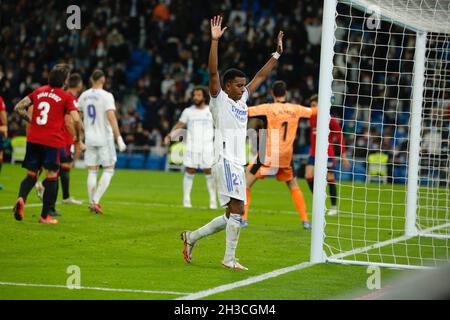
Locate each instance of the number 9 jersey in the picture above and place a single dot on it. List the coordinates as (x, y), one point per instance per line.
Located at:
(50, 105)
(94, 103)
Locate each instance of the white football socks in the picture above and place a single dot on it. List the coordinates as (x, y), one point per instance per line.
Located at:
(232, 236)
(217, 224)
(91, 183)
(188, 181)
(211, 189)
(103, 184)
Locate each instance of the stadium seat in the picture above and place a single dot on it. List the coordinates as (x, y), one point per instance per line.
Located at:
(154, 162)
(136, 161)
(122, 161)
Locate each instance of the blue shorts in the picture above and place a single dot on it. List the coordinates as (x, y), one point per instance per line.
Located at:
(65, 154)
(38, 155)
(330, 163)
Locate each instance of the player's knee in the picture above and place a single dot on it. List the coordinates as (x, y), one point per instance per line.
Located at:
(109, 171)
(331, 177)
(66, 166)
(191, 170)
(236, 206)
(32, 174)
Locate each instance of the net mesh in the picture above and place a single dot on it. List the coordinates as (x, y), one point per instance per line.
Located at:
(373, 76)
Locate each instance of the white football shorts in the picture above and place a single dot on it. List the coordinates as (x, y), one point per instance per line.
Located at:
(230, 181)
(100, 155)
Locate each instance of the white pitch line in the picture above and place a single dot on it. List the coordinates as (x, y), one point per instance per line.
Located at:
(246, 282)
(92, 288)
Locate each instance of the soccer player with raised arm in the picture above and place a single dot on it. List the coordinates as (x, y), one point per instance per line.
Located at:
(45, 137)
(3, 131)
(335, 134)
(281, 121)
(199, 144)
(101, 128)
(229, 110)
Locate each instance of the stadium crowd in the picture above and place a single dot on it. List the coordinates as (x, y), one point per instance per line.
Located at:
(154, 52)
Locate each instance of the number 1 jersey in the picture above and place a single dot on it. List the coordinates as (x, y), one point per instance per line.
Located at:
(94, 103)
(50, 105)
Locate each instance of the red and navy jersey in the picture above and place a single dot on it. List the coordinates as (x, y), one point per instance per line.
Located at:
(335, 135)
(50, 105)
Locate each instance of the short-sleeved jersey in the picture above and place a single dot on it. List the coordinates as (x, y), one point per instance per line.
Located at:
(335, 135)
(95, 103)
(50, 105)
(200, 129)
(2, 108)
(230, 127)
(282, 123)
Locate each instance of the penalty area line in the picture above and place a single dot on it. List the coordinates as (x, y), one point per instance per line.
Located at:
(92, 288)
(246, 282)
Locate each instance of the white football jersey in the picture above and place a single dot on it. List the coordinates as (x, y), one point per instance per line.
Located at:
(94, 103)
(230, 124)
(200, 129)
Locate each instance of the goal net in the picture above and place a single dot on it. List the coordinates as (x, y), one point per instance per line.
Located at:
(385, 76)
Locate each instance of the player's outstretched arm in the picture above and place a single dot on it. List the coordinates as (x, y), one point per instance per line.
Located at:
(265, 71)
(173, 133)
(213, 70)
(21, 108)
(115, 127)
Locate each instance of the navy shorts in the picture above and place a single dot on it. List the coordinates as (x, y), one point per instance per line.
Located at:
(38, 155)
(330, 163)
(65, 154)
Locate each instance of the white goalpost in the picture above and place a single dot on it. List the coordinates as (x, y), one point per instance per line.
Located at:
(385, 76)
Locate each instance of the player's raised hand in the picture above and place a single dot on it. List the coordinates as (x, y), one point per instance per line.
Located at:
(216, 28)
(280, 42)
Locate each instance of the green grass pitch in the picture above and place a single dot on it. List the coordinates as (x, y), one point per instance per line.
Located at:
(136, 244)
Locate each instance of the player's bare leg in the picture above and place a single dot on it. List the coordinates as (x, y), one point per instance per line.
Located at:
(299, 201)
(188, 181)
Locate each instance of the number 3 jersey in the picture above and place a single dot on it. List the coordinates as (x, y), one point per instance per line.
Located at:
(50, 105)
(281, 120)
(94, 103)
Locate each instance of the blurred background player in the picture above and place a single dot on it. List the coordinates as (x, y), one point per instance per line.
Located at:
(74, 87)
(199, 144)
(281, 120)
(335, 135)
(3, 132)
(101, 128)
(45, 137)
(230, 114)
